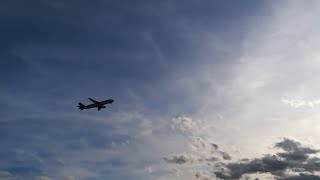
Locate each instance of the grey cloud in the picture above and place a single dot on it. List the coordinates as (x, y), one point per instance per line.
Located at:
(215, 146)
(245, 159)
(179, 159)
(288, 145)
(294, 146)
(203, 150)
(312, 165)
(292, 158)
(271, 164)
(296, 158)
(225, 155)
(212, 159)
(302, 176)
(295, 151)
(202, 177)
(199, 142)
(202, 144)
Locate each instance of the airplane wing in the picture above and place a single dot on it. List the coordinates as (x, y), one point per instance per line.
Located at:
(95, 102)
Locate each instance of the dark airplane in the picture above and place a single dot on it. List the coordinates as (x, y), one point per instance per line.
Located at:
(96, 104)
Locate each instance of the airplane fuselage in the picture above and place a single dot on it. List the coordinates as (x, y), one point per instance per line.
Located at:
(96, 104)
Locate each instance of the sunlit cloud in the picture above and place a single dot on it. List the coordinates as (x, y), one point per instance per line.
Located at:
(298, 103)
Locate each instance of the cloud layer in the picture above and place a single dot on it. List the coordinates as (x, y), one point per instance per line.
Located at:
(198, 86)
(295, 162)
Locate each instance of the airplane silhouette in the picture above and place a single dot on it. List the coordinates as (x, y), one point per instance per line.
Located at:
(96, 104)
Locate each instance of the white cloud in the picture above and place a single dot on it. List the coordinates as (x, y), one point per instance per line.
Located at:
(298, 103)
(279, 59)
(185, 124)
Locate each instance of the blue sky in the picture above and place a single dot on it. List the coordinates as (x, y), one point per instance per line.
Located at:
(184, 75)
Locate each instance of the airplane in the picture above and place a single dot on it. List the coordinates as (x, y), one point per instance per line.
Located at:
(96, 104)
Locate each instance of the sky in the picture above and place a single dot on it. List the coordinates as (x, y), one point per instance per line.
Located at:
(203, 90)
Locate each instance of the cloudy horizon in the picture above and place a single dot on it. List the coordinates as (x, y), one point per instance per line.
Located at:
(203, 90)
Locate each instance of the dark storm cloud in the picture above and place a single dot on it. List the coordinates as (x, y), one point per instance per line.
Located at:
(296, 158)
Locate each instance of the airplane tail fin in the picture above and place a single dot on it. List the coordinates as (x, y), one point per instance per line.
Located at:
(81, 106)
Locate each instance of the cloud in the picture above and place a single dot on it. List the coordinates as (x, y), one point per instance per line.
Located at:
(268, 164)
(202, 176)
(292, 161)
(225, 155)
(5, 174)
(68, 178)
(149, 169)
(202, 150)
(43, 178)
(180, 159)
(302, 176)
(296, 158)
(294, 150)
(299, 103)
(213, 68)
(185, 124)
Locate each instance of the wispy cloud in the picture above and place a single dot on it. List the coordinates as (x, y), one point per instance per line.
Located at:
(298, 103)
(6, 175)
(43, 178)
